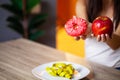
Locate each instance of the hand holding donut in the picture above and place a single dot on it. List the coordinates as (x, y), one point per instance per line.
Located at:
(76, 27)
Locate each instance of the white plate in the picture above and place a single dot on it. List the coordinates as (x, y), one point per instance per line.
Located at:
(40, 72)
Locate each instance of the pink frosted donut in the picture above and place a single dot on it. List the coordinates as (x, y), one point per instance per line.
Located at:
(76, 26)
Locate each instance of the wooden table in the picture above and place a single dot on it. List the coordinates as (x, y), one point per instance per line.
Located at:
(19, 57)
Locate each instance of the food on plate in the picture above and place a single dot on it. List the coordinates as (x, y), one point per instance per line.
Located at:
(102, 25)
(76, 26)
(61, 70)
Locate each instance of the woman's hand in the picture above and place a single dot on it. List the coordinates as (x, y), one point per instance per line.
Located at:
(83, 37)
(102, 37)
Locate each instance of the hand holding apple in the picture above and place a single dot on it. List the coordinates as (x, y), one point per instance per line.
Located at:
(102, 28)
(102, 25)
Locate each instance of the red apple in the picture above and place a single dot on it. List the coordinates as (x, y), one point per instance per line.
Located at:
(102, 25)
(76, 26)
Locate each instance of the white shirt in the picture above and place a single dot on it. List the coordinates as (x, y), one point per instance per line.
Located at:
(101, 53)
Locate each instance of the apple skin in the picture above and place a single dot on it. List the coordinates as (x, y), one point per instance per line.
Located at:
(102, 25)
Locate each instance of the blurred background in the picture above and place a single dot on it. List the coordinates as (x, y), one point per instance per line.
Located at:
(41, 21)
(47, 36)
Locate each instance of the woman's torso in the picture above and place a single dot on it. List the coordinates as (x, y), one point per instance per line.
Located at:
(100, 52)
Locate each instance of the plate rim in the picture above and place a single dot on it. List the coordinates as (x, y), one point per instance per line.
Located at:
(48, 63)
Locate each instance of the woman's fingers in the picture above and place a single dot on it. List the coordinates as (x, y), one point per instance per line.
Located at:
(98, 38)
(77, 38)
(92, 35)
(103, 37)
(83, 37)
(80, 37)
(107, 37)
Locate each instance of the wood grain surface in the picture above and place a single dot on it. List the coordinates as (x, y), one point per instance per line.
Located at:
(19, 57)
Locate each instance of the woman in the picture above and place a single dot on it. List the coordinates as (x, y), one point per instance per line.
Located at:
(104, 50)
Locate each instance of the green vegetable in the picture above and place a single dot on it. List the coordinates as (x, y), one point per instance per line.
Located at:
(61, 70)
